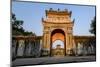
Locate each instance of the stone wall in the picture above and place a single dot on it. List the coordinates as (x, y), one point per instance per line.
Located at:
(33, 46)
(26, 47)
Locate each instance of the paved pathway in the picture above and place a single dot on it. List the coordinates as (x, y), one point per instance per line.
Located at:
(52, 60)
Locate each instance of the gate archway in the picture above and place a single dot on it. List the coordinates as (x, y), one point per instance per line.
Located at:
(57, 25)
(58, 42)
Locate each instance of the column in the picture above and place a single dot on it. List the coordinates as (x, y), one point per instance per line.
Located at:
(46, 43)
(14, 44)
(20, 50)
(29, 48)
(33, 48)
(74, 47)
(80, 48)
(84, 49)
(69, 44)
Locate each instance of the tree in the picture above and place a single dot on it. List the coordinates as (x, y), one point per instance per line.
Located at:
(17, 27)
(29, 33)
(93, 26)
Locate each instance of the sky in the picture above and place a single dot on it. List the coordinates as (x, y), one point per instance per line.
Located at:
(58, 42)
(32, 12)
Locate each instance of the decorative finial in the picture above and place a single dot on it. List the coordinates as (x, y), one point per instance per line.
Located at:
(42, 19)
(73, 20)
(66, 10)
(50, 9)
(70, 13)
(58, 9)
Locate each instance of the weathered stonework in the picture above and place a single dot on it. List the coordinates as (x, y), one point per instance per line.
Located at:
(56, 25)
(56, 21)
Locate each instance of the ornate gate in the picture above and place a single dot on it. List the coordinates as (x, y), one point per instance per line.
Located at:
(57, 25)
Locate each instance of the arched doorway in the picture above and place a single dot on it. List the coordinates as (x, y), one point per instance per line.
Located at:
(58, 48)
(57, 43)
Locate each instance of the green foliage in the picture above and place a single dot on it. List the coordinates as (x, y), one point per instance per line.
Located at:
(17, 27)
(93, 26)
